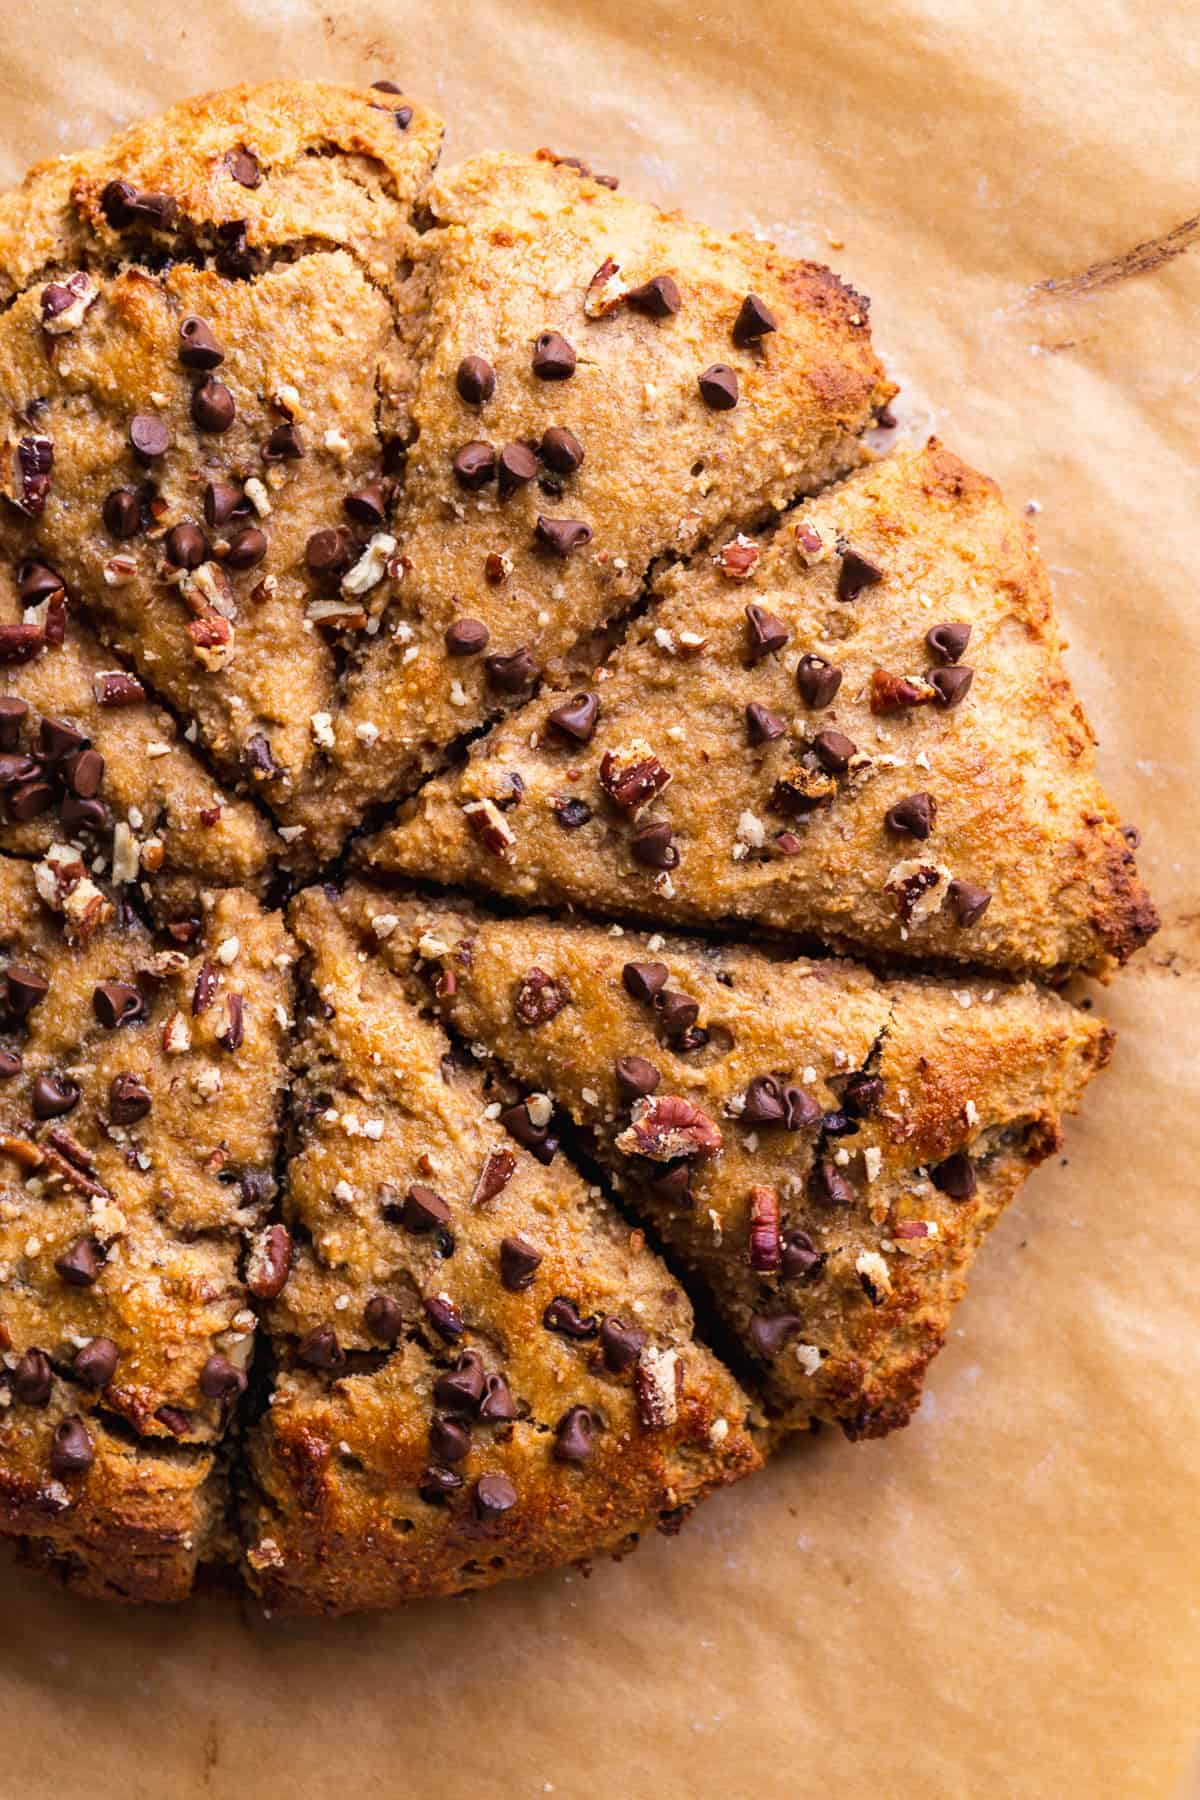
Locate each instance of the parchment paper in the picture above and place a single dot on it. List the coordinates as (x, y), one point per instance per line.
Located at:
(1002, 1600)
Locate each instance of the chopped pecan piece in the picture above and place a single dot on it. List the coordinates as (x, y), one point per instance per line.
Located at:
(895, 693)
(490, 826)
(605, 291)
(64, 303)
(669, 1127)
(917, 888)
(800, 790)
(498, 1170)
(632, 776)
(738, 559)
(765, 1245)
(658, 1383)
(540, 997)
(212, 641)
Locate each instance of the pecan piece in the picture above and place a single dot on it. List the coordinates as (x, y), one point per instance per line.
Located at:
(658, 1383)
(490, 826)
(540, 997)
(632, 776)
(765, 1245)
(605, 291)
(916, 887)
(895, 693)
(738, 559)
(800, 790)
(669, 1127)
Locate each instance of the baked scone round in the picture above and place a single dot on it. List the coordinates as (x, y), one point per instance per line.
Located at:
(368, 534)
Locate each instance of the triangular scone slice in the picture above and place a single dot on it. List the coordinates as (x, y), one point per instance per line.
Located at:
(148, 813)
(825, 1151)
(483, 1371)
(858, 731)
(572, 428)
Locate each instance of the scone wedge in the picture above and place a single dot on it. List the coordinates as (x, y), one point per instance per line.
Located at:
(481, 1371)
(858, 731)
(823, 1150)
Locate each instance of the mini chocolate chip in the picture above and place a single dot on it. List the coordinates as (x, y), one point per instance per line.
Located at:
(571, 814)
(71, 1450)
(436, 1483)
(553, 357)
(246, 548)
(862, 1096)
(213, 407)
(122, 513)
(32, 1379)
(764, 1102)
(54, 1096)
(537, 1139)
(767, 633)
(96, 1362)
(673, 1186)
(58, 738)
(968, 902)
(576, 718)
(833, 751)
(224, 500)
(117, 1003)
(24, 989)
(367, 504)
(799, 1259)
(37, 581)
(562, 1316)
(955, 1177)
(328, 551)
(474, 465)
(574, 1435)
(762, 725)
(16, 767)
(653, 848)
(85, 774)
(511, 673)
(11, 1064)
(678, 1012)
(460, 1389)
(128, 1099)
(475, 380)
(449, 1441)
(220, 1379)
(383, 1318)
(818, 681)
(951, 684)
(423, 1210)
(496, 1407)
(243, 166)
(149, 437)
(185, 546)
(644, 980)
(719, 387)
(947, 642)
(839, 1124)
(635, 1077)
(517, 466)
(319, 1349)
(83, 815)
(916, 815)
(494, 1495)
(284, 444)
(519, 1263)
(30, 800)
(755, 319)
(78, 1265)
(198, 348)
(829, 1186)
(856, 573)
(770, 1335)
(123, 205)
(466, 637)
(658, 298)
(562, 535)
(621, 1344)
(444, 1316)
(560, 450)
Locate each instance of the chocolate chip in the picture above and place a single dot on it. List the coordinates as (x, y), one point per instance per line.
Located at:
(367, 504)
(799, 1258)
(444, 1316)
(221, 1379)
(436, 1483)
(644, 980)
(856, 573)
(673, 1186)
(967, 901)
(947, 642)
(767, 633)
(466, 637)
(30, 800)
(494, 1495)
(71, 1450)
(653, 848)
(83, 815)
(635, 1077)
(518, 465)
(553, 357)
(58, 738)
(11, 1064)
(621, 1344)
(269, 1263)
(571, 814)
(537, 1139)
(951, 684)
(13, 713)
(328, 552)
(755, 319)
(243, 166)
(955, 1177)
(423, 1210)
(149, 437)
(562, 1316)
(574, 1435)
(460, 1389)
(496, 1407)
(519, 1263)
(677, 1012)
(818, 681)
(124, 205)
(576, 718)
(862, 1096)
(85, 774)
(122, 513)
(383, 1318)
(658, 298)
(246, 548)
(16, 767)
(833, 751)
(284, 444)
(128, 1099)
(562, 535)
(829, 1186)
(213, 407)
(916, 815)
(54, 1096)
(764, 1102)
(475, 380)
(32, 1379)
(719, 387)
(511, 672)
(224, 500)
(185, 546)
(319, 1349)
(37, 582)
(96, 1362)
(762, 725)
(770, 1335)
(198, 348)
(24, 989)
(560, 450)
(78, 1265)
(474, 465)
(449, 1441)
(117, 1003)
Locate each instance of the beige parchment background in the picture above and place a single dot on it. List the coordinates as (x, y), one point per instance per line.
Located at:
(1001, 1601)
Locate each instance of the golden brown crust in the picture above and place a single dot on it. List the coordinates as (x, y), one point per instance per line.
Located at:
(1019, 812)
